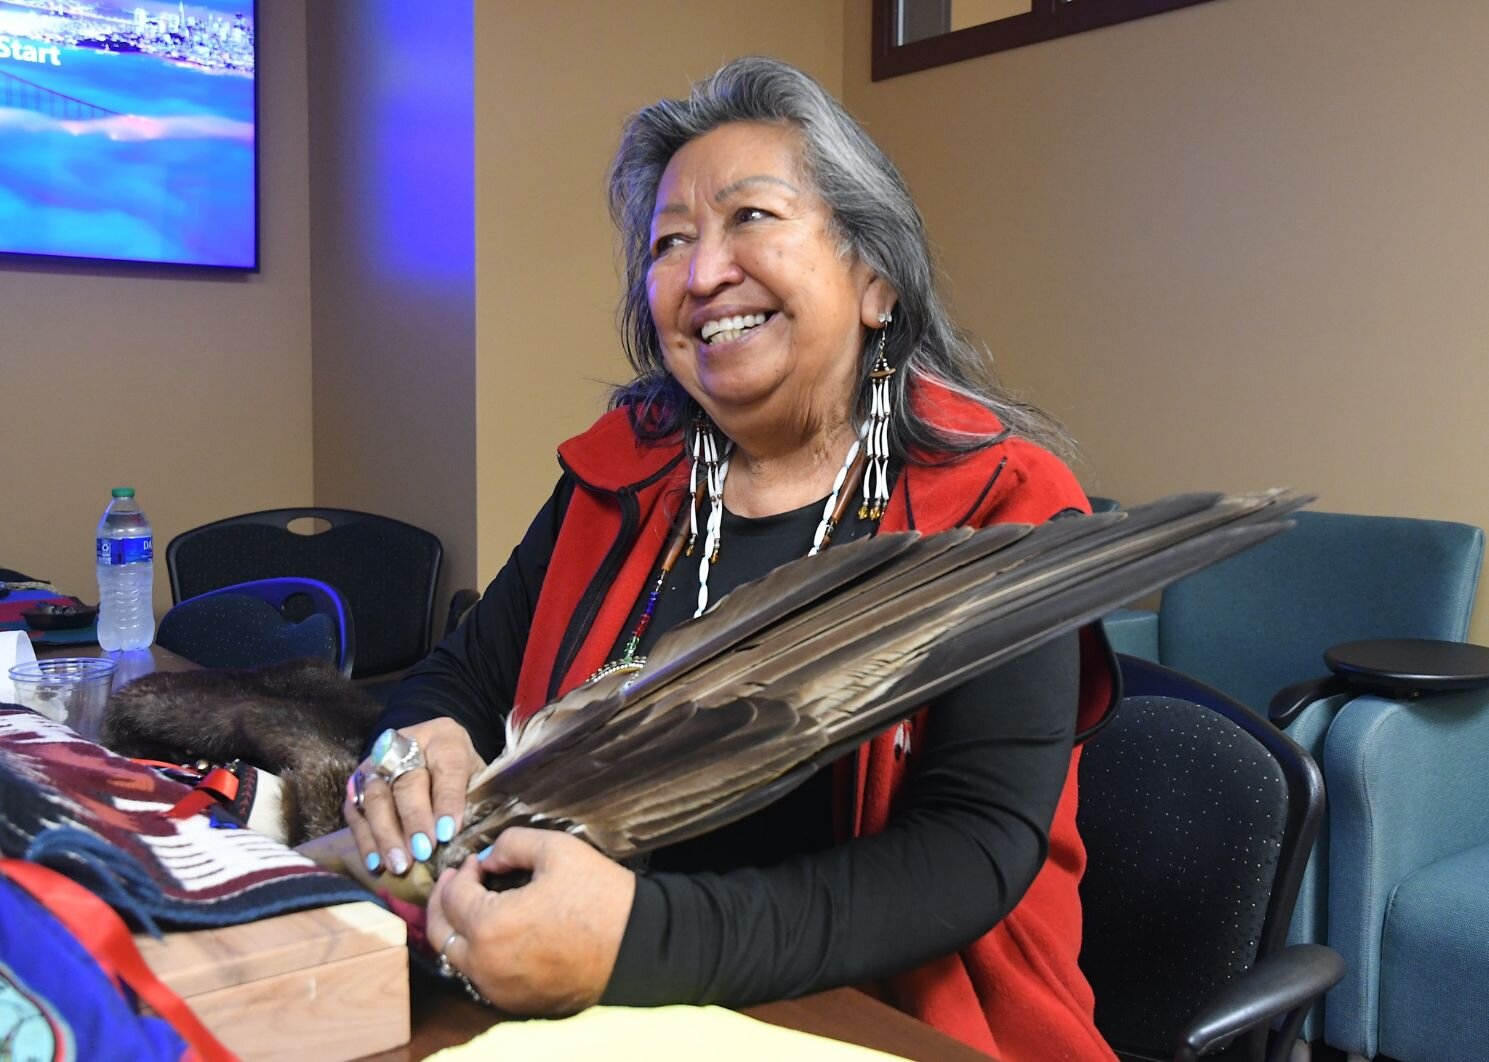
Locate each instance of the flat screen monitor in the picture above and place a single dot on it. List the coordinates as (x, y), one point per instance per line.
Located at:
(127, 131)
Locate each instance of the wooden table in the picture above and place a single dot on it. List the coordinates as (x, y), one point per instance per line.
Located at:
(443, 1017)
(130, 666)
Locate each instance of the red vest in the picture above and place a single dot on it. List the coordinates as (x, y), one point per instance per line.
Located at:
(1016, 992)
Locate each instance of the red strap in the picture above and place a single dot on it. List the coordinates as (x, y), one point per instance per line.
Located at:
(220, 785)
(221, 781)
(193, 803)
(100, 930)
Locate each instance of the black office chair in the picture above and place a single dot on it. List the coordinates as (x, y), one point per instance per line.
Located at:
(385, 569)
(267, 621)
(1198, 817)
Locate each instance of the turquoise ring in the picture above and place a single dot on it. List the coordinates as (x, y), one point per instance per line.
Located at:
(394, 755)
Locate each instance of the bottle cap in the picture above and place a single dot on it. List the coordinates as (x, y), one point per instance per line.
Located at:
(124, 492)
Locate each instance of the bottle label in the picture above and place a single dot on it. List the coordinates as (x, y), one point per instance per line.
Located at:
(112, 551)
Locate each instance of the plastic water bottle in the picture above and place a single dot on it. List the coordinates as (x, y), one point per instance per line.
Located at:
(126, 575)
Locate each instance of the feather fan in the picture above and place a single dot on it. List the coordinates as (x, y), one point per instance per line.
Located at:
(737, 707)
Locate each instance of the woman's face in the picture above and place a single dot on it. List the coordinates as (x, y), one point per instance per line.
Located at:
(758, 314)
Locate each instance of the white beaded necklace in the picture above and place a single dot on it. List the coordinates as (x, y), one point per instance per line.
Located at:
(706, 452)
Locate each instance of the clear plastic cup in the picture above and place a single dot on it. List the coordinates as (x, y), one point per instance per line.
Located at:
(71, 690)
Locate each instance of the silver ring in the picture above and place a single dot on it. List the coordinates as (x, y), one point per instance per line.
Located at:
(356, 788)
(445, 966)
(394, 755)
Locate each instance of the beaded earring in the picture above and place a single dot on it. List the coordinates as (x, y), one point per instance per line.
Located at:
(706, 460)
(876, 476)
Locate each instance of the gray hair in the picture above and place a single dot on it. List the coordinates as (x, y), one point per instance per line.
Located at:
(876, 222)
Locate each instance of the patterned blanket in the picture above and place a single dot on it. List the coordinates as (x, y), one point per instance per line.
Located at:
(101, 820)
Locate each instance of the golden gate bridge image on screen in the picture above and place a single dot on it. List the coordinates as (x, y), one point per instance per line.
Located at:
(19, 94)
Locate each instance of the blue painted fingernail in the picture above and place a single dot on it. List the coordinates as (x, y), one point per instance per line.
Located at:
(485, 852)
(374, 860)
(444, 829)
(398, 861)
(421, 846)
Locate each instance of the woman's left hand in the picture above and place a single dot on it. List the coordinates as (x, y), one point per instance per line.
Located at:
(547, 947)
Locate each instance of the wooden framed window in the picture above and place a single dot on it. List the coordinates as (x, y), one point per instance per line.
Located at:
(917, 34)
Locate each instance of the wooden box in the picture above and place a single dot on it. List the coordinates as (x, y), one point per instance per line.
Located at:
(327, 984)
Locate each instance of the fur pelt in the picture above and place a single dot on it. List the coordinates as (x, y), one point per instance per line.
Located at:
(301, 721)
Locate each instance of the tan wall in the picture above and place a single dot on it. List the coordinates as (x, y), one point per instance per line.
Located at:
(393, 270)
(554, 81)
(1241, 244)
(192, 387)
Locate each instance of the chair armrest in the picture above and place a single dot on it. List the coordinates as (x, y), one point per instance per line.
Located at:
(1406, 781)
(1133, 631)
(1405, 790)
(1391, 667)
(1288, 703)
(462, 602)
(1285, 982)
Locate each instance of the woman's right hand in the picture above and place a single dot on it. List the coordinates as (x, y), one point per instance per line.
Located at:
(422, 807)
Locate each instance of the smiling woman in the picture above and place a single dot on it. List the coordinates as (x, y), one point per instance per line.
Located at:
(740, 235)
(798, 384)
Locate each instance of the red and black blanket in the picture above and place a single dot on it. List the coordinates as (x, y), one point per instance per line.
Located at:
(104, 821)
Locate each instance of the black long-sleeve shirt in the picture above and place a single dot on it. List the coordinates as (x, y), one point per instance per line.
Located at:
(771, 906)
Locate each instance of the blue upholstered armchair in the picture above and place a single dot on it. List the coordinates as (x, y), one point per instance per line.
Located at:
(1256, 627)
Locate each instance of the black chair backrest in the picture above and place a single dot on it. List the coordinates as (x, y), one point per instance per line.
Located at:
(386, 569)
(1198, 816)
(268, 622)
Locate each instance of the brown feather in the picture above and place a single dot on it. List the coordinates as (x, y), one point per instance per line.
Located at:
(787, 673)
